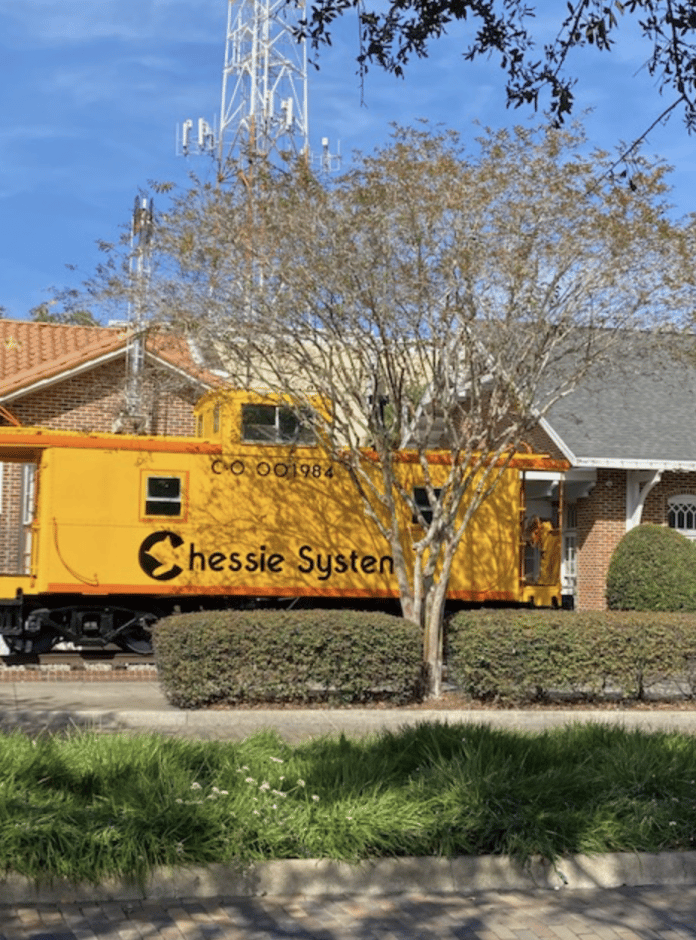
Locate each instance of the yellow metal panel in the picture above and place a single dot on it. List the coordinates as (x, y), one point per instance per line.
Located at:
(259, 521)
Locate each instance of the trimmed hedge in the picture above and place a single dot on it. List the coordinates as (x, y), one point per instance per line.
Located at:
(255, 656)
(526, 656)
(652, 568)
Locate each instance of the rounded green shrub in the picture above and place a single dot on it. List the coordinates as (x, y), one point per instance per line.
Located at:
(256, 656)
(653, 568)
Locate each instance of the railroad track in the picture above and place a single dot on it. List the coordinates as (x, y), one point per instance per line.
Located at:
(97, 664)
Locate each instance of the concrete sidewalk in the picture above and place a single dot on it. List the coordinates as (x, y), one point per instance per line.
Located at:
(141, 706)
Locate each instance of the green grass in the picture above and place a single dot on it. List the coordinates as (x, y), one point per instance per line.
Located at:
(89, 806)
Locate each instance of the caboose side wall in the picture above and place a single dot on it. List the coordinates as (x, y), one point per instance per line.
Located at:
(266, 521)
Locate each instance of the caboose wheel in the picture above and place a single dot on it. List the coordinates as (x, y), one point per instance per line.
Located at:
(136, 640)
(32, 646)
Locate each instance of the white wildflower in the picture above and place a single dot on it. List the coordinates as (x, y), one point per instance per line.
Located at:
(301, 783)
(195, 786)
(315, 798)
(249, 780)
(265, 785)
(277, 760)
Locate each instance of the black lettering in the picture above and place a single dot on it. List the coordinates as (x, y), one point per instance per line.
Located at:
(215, 464)
(252, 564)
(235, 562)
(275, 563)
(341, 564)
(237, 467)
(193, 555)
(325, 568)
(280, 469)
(386, 561)
(368, 564)
(262, 558)
(305, 554)
(216, 561)
(263, 469)
(353, 560)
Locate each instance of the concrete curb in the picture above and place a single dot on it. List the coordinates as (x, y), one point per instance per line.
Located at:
(293, 877)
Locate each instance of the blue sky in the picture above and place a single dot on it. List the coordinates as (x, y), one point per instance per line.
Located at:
(93, 91)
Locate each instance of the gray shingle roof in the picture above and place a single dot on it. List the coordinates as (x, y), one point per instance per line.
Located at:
(637, 409)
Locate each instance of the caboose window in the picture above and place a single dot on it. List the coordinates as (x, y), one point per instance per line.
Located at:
(420, 498)
(274, 424)
(163, 496)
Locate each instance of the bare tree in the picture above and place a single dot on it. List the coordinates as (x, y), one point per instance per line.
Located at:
(427, 298)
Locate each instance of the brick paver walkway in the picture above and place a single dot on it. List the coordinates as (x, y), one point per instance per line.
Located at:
(622, 914)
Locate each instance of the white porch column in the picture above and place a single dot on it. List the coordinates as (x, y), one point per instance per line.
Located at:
(638, 485)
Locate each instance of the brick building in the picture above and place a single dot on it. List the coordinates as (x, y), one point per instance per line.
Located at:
(75, 378)
(629, 432)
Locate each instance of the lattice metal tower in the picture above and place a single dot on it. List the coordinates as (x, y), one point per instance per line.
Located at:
(263, 112)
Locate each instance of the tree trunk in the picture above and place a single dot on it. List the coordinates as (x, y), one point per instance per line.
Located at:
(433, 637)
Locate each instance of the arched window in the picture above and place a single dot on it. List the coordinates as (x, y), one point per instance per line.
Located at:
(682, 514)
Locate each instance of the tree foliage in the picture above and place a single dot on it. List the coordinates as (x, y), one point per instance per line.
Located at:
(653, 568)
(392, 33)
(46, 312)
(429, 297)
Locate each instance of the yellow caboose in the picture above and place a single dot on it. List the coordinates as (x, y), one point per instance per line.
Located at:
(120, 529)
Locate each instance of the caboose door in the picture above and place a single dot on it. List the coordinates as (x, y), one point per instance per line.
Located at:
(17, 499)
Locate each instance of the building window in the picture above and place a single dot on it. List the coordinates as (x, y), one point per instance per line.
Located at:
(682, 514)
(275, 424)
(163, 497)
(420, 498)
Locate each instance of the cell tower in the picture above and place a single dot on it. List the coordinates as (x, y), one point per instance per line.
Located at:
(263, 112)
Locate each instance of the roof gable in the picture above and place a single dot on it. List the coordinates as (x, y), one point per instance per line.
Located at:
(34, 354)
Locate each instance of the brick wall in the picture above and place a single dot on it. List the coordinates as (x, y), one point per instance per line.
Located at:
(11, 533)
(602, 525)
(656, 505)
(91, 401)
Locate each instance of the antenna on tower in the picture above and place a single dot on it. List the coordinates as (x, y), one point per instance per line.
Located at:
(263, 110)
(132, 414)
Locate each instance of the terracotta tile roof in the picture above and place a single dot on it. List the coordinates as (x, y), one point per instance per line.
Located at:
(34, 352)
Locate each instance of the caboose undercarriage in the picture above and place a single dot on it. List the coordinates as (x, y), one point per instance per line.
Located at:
(28, 627)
